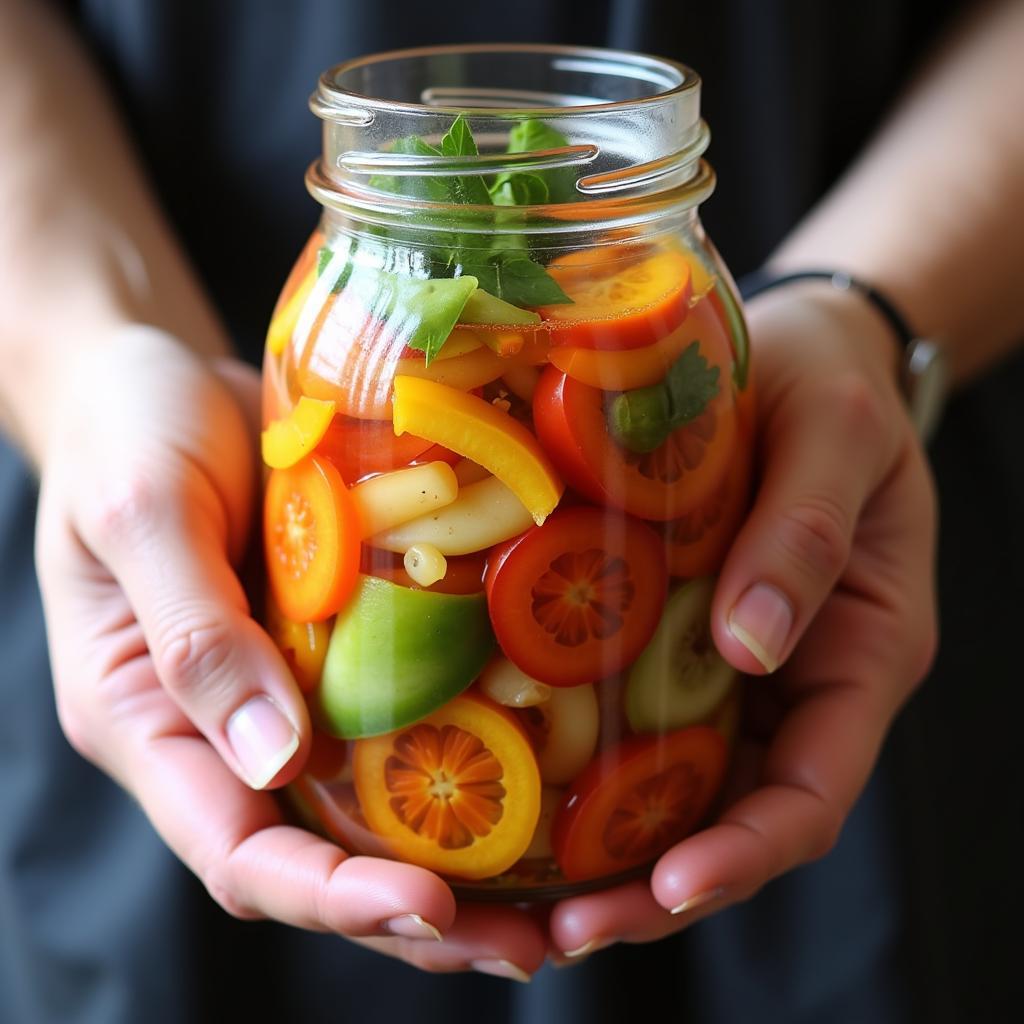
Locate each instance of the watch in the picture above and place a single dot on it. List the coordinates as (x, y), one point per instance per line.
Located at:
(924, 373)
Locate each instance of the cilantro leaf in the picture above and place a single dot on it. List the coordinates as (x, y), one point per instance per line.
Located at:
(641, 420)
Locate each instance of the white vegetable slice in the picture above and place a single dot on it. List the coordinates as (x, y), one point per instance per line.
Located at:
(483, 514)
(425, 564)
(388, 500)
(564, 732)
(506, 684)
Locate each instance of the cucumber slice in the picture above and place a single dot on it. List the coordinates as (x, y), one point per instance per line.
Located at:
(484, 308)
(680, 677)
(397, 654)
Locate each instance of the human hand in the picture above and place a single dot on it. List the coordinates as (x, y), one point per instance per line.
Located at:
(164, 681)
(831, 582)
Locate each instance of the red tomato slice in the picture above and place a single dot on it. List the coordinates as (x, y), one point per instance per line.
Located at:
(635, 801)
(665, 484)
(577, 599)
(623, 304)
(698, 542)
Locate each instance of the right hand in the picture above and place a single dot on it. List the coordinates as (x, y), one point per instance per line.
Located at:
(165, 682)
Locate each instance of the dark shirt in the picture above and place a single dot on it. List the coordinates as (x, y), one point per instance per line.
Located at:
(909, 915)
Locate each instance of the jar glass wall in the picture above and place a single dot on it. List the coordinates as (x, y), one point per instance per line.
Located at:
(509, 426)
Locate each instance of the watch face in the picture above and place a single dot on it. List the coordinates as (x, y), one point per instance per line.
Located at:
(927, 380)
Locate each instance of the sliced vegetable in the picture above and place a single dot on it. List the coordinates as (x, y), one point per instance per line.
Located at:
(522, 381)
(463, 575)
(425, 564)
(510, 686)
(483, 308)
(698, 542)
(288, 440)
(461, 341)
(303, 644)
(563, 731)
(484, 514)
(627, 369)
(642, 420)
(727, 303)
(396, 654)
(632, 804)
(577, 599)
(474, 428)
(352, 361)
(665, 484)
(642, 302)
(361, 447)
(287, 312)
(458, 793)
(680, 677)
(394, 498)
(311, 534)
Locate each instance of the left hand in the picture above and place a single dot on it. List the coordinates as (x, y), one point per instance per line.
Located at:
(831, 582)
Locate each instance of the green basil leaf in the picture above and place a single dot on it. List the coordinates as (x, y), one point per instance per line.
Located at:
(530, 136)
(642, 420)
(422, 313)
(515, 189)
(514, 277)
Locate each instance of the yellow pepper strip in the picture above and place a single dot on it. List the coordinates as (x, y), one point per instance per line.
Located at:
(458, 343)
(303, 644)
(283, 322)
(477, 430)
(390, 499)
(288, 440)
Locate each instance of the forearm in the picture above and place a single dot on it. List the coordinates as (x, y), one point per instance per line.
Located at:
(82, 242)
(933, 212)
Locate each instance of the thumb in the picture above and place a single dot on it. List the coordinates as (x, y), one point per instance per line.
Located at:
(165, 546)
(797, 539)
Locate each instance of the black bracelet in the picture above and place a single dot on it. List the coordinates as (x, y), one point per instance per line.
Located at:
(763, 281)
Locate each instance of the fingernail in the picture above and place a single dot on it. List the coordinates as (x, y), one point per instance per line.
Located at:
(262, 739)
(592, 946)
(761, 620)
(700, 900)
(412, 926)
(501, 969)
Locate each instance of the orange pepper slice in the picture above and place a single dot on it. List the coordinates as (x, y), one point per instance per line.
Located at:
(477, 430)
(311, 534)
(458, 792)
(639, 367)
(288, 440)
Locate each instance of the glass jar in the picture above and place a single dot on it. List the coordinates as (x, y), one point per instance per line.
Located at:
(508, 437)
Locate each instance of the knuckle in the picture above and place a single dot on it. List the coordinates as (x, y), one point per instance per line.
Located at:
(815, 533)
(221, 888)
(858, 405)
(124, 508)
(194, 655)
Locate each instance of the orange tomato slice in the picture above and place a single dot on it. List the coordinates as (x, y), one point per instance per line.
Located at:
(303, 644)
(458, 792)
(641, 302)
(311, 535)
(632, 368)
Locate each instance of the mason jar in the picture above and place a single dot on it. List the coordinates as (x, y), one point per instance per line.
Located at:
(508, 432)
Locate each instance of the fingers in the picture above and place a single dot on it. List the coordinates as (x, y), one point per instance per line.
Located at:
(165, 546)
(490, 939)
(797, 539)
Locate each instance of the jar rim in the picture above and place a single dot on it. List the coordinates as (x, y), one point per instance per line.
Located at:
(677, 79)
